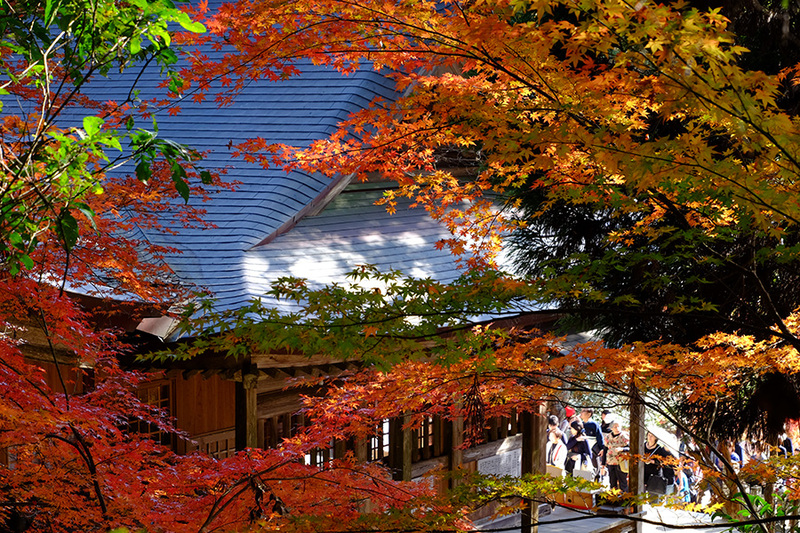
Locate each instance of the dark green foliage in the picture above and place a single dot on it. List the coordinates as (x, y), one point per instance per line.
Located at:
(676, 283)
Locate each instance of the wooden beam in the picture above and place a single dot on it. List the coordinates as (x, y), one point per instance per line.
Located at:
(279, 403)
(491, 449)
(284, 360)
(276, 373)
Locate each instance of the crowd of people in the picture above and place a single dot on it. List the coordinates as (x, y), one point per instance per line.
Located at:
(580, 446)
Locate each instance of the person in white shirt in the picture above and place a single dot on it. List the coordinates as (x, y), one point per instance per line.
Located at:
(556, 450)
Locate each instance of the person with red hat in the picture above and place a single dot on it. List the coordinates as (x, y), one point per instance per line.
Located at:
(569, 416)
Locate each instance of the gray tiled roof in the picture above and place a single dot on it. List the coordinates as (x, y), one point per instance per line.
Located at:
(227, 260)
(351, 231)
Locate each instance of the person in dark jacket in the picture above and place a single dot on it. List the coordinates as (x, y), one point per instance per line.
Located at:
(654, 456)
(606, 419)
(578, 451)
(595, 435)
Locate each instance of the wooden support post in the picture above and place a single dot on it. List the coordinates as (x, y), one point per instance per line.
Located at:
(438, 436)
(416, 454)
(246, 408)
(534, 438)
(408, 449)
(400, 448)
(456, 455)
(638, 434)
(261, 440)
(271, 432)
(493, 429)
(286, 423)
(361, 450)
(339, 448)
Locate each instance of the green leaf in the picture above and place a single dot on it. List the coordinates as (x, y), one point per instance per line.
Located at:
(113, 142)
(175, 84)
(179, 178)
(26, 260)
(68, 229)
(205, 177)
(130, 123)
(48, 10)
(135, 45)
(88, 213)
(143, 172)
(92, 125)
(189, 24)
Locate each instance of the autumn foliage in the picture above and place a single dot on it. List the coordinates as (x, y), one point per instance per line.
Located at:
(641, 112)
(74, 276)
(637, 110)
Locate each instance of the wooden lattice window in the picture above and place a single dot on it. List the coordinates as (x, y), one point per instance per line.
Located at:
(378, 446)
(424, 440)
(159, 395)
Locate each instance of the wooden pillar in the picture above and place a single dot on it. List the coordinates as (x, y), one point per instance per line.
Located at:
(438, 436)
(503, 427)
(400, 448)
(456, 453)
(361, 450)
(534, 438)
(271, 432)
(286, 425)
(493, 429)
(246, 408)
(638, 434)
(339, 448)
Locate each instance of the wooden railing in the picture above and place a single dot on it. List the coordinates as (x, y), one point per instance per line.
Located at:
(219, 444)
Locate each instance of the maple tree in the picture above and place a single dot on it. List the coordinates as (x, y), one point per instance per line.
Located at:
(562, 97)
(72, 273)
(640, 116)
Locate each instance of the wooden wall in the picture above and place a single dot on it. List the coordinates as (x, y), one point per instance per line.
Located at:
(204, 405)
(73, 377)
